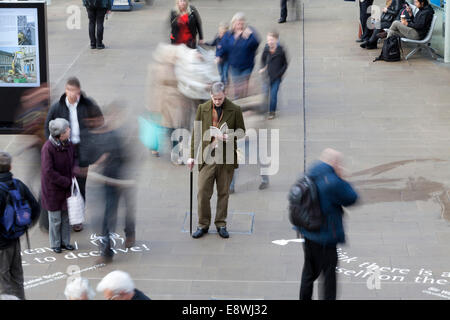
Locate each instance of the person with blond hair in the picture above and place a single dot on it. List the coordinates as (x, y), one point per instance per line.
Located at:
(185, 23)
(320, 246)
(239, 45)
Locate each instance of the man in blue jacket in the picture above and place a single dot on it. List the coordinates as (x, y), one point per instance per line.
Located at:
(320, 247)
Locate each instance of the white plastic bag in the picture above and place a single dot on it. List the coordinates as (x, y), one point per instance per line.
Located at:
(75, 204)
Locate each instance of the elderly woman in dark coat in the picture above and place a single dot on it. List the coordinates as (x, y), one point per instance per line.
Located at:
(57, 171)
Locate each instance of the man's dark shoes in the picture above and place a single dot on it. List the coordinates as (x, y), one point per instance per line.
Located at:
(101, 46)
(68, 247)
(199, 233)
(263, 185)
(281, 20)
(77, 227)
(371, 46)
(223, 232)
(363, 45)
(359, 40)
(57, 250)
(93, 46)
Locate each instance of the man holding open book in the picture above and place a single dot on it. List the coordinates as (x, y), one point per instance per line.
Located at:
(218, 125)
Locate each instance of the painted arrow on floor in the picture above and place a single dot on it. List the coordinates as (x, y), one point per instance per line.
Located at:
(283, 242)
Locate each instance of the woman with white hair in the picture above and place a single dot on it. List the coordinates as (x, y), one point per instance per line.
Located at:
(118, 285)
(57, 171)
(239, 45)
(79, 289)
(186, 24)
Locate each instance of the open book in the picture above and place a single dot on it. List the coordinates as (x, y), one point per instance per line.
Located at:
(214, 131)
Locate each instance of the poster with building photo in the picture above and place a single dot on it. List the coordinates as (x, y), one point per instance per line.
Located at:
(19, 48)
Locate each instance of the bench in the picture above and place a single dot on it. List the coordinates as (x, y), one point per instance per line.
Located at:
(424, 43)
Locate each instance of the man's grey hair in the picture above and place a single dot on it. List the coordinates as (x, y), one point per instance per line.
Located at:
(116, 281)
(217, 87)
(77, 287)
(5, 159)
(58, 127)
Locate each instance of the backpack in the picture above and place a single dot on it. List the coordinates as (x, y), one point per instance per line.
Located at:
(391, 49)
(304, 205)
(17, 215)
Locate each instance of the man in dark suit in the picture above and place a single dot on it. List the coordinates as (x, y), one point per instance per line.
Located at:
(96, 10)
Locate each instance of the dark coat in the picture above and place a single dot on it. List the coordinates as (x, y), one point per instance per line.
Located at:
(231, 114)
(334, 193)
(107, 4)
(239, 52)
(26, 194)
(194, 24)
(277, 62)
(57, 171)
(139, 295)
(60, 110)
(392, 11)
(422, 21)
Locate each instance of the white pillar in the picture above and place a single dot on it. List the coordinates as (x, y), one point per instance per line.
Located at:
(447, 33)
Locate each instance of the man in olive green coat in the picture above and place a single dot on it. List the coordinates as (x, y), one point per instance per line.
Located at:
(216, 156)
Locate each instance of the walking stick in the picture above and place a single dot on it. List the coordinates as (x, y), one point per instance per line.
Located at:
(190, 207)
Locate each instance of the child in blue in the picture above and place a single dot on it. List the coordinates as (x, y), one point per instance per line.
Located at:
(223, 65)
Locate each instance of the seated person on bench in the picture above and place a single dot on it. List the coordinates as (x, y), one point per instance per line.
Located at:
(419, 25)
(390, 13)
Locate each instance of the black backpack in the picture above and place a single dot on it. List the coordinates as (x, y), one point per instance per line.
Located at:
(304, 205)
(391, 50)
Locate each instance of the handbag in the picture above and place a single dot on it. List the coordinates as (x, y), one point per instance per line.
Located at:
(75, 204)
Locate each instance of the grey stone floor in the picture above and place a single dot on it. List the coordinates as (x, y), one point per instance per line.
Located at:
(389, 119)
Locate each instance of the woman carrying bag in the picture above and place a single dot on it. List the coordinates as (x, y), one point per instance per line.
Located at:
(57, 172)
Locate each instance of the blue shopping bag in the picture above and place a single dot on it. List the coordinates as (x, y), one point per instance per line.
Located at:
(150, 133)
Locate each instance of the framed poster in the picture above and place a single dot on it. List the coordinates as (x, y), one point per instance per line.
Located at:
(23, 56)
(19, 50)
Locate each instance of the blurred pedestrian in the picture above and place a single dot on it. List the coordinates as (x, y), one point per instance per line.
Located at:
(34, 106)
(284, 11)
(118, 285)
(363, 19)
(239, 46)
(109, 152)
(11, 272)
(58, 169)
(73, 106)
(186, 24)
(274, 61)
(79, 289)
(223, 65)
(320, 247)
(96, 10)
(216, 112)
